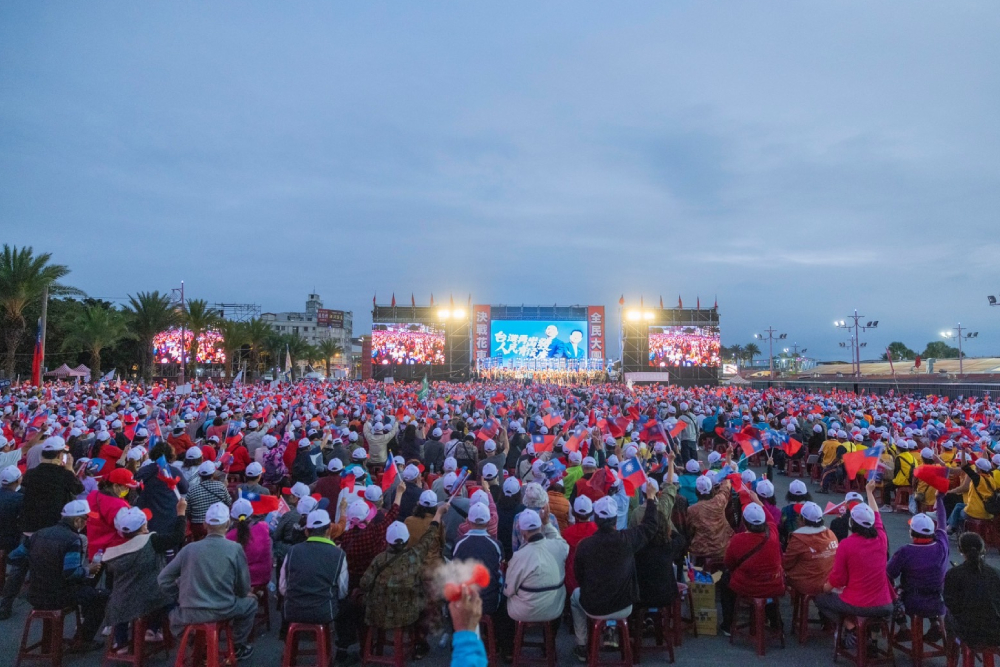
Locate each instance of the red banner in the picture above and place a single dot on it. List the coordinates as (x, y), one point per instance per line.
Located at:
(366, 358)
(595, 325)
(480, 332)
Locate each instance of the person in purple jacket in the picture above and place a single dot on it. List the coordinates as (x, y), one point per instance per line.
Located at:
(921, 567)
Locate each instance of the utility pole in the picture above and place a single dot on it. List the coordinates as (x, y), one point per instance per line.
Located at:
(949, 335)
(770, 338)
(856, 343)
(42, 326)
(180, 375)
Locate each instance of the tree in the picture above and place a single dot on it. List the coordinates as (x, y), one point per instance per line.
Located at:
(737, 352)
(327, 349)
(199, 318)
(148, 314)
(93, 330)
(257, 331)
(899, 352)
(234, 337)
(298, 348)
(274, 345)
(23, 280)
(937, 349)
(750, 351)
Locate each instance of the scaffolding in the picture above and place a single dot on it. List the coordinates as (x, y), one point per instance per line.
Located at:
(237, 312)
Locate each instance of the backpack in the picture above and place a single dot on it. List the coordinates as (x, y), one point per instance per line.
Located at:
(991, 503)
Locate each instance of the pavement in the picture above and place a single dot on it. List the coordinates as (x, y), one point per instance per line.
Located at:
(694, 651)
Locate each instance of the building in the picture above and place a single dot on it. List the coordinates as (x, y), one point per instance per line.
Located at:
(317, 324)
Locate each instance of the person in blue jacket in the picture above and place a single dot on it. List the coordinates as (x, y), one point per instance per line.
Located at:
(467, 649)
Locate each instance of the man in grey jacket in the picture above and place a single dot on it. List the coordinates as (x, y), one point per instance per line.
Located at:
(211, 582)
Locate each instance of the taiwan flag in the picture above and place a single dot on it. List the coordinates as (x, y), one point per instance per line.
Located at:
(633, 475)
(865, 459)
(489, 430)
(542, 443)
(573, 443)
(749, 444)
(389, 474)
(653, 432)
(936, 476)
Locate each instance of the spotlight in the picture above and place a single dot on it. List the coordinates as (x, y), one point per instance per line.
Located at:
(457, 314)
(633, 315)
(444, 314)
(648, 315)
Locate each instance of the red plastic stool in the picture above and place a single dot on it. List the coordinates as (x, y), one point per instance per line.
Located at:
(756, 626)
(595, 626)
(796, 467)
(800, 614)
(320, 637)
(970, 654)
(263, 616)
(50, 646)
(139, 649)
(901, 503)
(375, 643)
(489, 638)
(205, 638)
(662, 630)
(914, 645)
(677, 621)
(861, 657)
(548, 644)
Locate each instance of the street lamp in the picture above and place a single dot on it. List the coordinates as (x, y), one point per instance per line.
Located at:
(770, 338)
(856, 344)
(968, 336)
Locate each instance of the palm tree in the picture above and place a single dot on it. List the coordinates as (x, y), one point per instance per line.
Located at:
(149, 313)
(234, 336)
(257, 331)
(93, 330)
(274, 345)
(23, 280)
(199, 318)
(298, 348)
(328, 348)
(751, 350)
(737, 351)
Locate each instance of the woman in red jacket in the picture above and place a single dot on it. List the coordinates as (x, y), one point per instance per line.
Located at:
(105, 501)
(753, 565)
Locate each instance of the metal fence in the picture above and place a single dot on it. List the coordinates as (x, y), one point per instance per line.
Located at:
(950, 390)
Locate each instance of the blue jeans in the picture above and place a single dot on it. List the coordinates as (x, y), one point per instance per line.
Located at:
(689, 450)
(957, 517)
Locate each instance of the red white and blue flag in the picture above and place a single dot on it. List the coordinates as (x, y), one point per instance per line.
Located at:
(542, 443)
(633, 475)
(389, 474)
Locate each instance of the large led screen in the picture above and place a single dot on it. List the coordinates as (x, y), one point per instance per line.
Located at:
(684, 346)
(407, 344)
(532, 339)
(167, 347)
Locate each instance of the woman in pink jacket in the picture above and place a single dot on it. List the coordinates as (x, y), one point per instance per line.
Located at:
(255, 538)
(858, 584)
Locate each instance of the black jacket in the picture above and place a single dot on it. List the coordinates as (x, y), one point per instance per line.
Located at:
(973, 601)
(411, 495)
(605, 565)
(57, 561)
(11, 503)
(312, 576)
(303, 469)
(47, 488)
(654, 567)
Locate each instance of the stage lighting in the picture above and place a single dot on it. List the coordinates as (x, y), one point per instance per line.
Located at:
(648, 315)
(444, 314)
(633, 315)
(457, 314)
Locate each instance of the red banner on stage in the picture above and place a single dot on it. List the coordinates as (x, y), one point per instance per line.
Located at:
(595, 324)
(481, 332)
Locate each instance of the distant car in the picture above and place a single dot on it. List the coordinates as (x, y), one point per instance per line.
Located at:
(314, 376)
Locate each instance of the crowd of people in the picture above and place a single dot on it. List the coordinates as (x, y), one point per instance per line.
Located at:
(407, 344)
(684, 347)
(357, 503)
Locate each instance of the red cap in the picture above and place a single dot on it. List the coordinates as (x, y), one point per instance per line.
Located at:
(123, 477)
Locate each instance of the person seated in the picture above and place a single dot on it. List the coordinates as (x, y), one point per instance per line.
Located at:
(394, 594)
(753, 565)
(981, 481)
(841, 524)
(251, 532)
(313, 579)
(605, 567)
(60, 576)
(921, 567)
(812, 548)
(209, 489)
(654, 563)
(709, 531)
(859, 571)
(971, 591)
(558, 504)
(210, 582)
(797, 494)
(252, 486)
(105, 501)
(535, 585)
(533, 497)
(134, 565)
(364, 538)
(508, 508)
(688, 478)
(477, 545)
(412, 489)
(482, 497)
(583, 526)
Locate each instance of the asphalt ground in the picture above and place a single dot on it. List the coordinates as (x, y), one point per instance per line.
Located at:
(704, 650)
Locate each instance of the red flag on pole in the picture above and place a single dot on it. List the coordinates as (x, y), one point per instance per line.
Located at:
(393, 299)
(621, 300)
(698, 302)
(373, 299)
(432, 299)
(36, 360)
(661, 301)
(413, 301)
(680, 304)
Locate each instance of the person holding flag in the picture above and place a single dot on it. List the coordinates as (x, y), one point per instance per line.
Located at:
(162, 483)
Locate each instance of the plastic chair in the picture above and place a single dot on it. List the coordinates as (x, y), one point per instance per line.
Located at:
(915, 645)
(663, 624)
(548, 644)
(489, 637)
(263, 616)
(800, 614)
(862, 657)
(677, 621)
(756, 625)
(969, 654)
(139, 650)
(205, 638)
(796, 468)
(901, 503)
(375, 643)
(595, 626)
(320, 637)
(50, 646)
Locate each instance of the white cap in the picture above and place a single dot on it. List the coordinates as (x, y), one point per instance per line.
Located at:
(692, 466)
(754, 514)
(583, 506)
(575, 458)
(317, 519)
(335, 465)
(359, 454)
(116, 423)
(811, 512)
(448, 481)
(450, 464)
(357, 511)
(606, 508)
(428, 499)
(129, 520)
(863, 515)
(797, 488)
(490, 471)
(748, 476)
(703, 485)
(253, 423)
(306, 505)
(254, 470)
(352, 436)
(613, 461)
(765, 488)
(480, 497)
(410, 473)
(437, 433)
(984, 464)
(217, 515)
(714, 457)
(192, 453)
(397, 533)
(511, 486)
(589, 462)
(922, 524)
(529, 520)
(926, 453)
(373, 492)
(76, 508)
(103, 435)
(651, 482)
(304, 442)
(53, 444)
(479, 513)
(9, 475)
(299, 490)
(855, 496)
(241, 508)
(207, 469)
(490, 445)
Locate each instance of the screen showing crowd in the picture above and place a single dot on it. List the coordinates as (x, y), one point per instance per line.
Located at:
(684, 346)
(407, 344)
(167, 347)
(530, 339)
